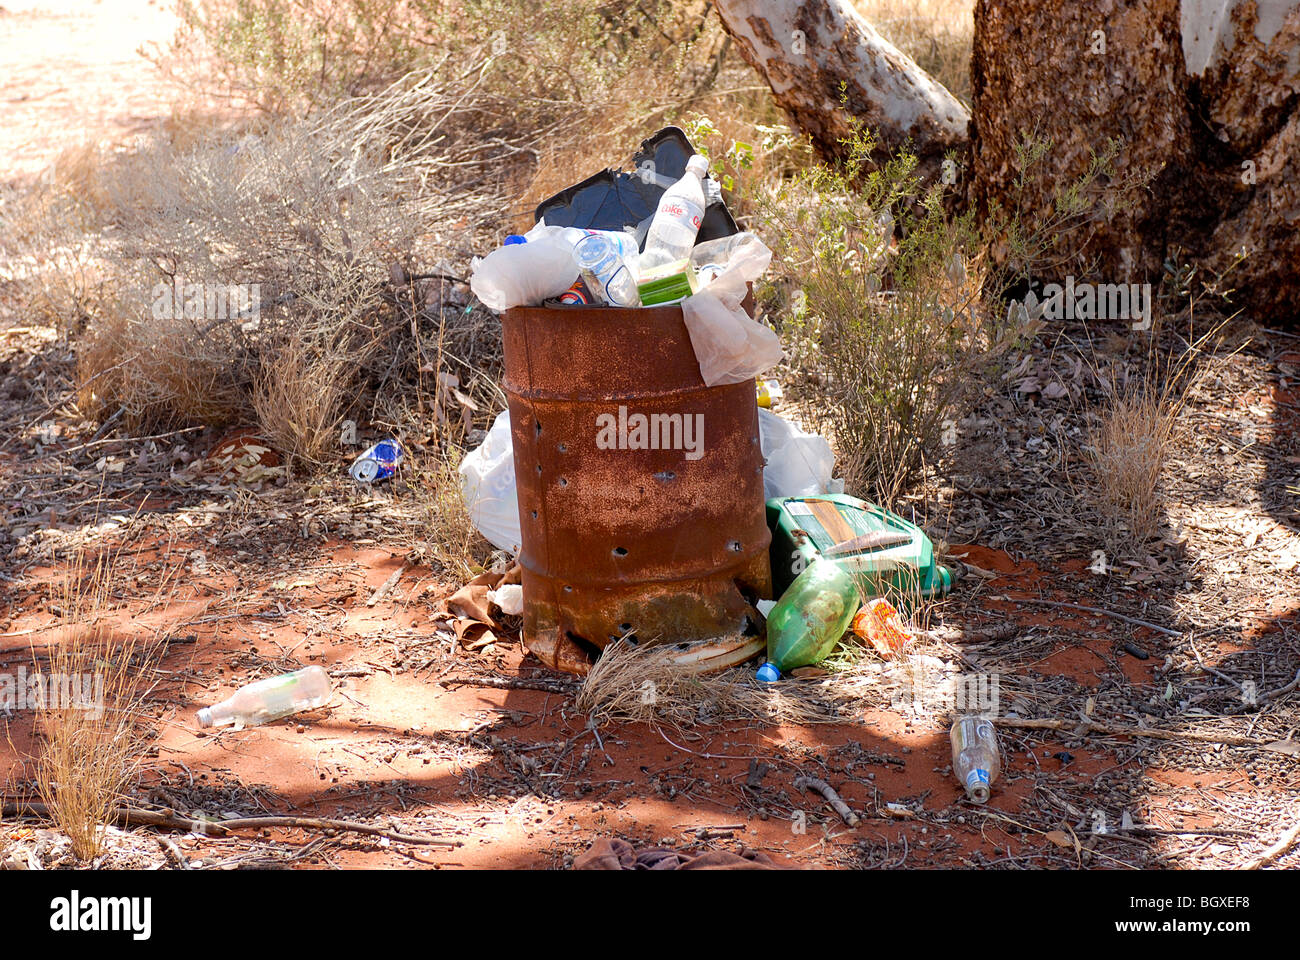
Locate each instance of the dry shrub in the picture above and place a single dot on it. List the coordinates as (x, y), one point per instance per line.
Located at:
(157, 371)
(1129, 442)
(318, 220)
(91, 739)
(884, 337)
(298, 399)
(393, 135)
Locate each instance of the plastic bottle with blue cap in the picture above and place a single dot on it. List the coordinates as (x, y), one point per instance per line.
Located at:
(809, 619)
(976, 760)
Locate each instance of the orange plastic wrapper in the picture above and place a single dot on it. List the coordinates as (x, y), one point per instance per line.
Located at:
(880, 625)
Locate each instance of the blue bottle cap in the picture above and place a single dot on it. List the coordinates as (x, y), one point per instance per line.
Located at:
(513, 239)
(768, 673)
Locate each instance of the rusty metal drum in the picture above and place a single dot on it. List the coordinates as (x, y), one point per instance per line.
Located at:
(640, 488)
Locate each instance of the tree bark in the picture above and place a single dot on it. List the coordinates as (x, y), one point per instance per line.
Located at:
(806, 51)
(1245, 85)
(1204, 95)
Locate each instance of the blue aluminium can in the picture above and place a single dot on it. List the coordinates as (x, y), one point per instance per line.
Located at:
(377, 463)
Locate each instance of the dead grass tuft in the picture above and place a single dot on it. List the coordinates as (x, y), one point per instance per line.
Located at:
(639, 684)
(88, 713)
(438, 527)
(1130, 440)
(1127, 449)
(298, 399)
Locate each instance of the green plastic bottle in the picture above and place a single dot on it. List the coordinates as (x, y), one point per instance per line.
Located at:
(809, 619)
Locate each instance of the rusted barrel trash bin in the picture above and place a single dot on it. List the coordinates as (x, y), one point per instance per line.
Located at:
(640, 489)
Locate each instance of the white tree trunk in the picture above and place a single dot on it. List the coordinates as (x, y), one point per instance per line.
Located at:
(806, 50)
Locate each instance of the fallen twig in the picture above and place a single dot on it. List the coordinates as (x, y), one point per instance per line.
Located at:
(173, 852)
(833, 798)
(1083, 727)
(1284, 843)
(1167, 631)
(126, 816)
(386, 585)
(513, 683)
(1281, 691)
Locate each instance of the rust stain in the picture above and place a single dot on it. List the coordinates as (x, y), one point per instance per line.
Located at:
(666, 545)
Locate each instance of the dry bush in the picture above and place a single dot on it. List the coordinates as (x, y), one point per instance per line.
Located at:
(157, 371)
(298, 399)
(1129, 442)
(317, 219)
(91, 742)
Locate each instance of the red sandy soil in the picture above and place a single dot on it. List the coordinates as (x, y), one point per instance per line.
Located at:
(399, 744)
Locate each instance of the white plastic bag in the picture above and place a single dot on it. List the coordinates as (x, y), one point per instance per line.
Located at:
(730, 346)
(525, 274)
(799, 464)
(509, 597)
(488, 482)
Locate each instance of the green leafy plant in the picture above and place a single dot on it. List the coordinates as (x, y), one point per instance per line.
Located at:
(886, 326)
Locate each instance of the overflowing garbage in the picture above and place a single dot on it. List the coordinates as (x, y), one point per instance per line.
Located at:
(657, 256)
(595, 245)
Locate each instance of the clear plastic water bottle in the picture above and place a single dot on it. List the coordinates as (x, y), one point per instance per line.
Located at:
(270, 699)
(677, 221)
(624, 243)
(605, 272)
(976, 760)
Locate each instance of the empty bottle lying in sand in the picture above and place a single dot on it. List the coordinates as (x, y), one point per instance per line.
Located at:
(976, 760)
(270, 699)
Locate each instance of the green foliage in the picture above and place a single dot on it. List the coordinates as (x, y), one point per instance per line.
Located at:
(1030, 241)
(886, 327)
